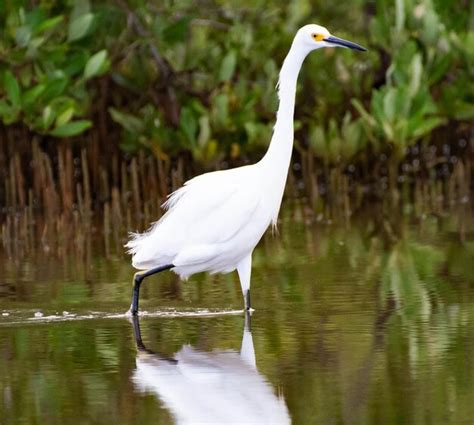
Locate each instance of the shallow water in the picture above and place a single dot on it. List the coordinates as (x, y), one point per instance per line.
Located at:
(362, 322)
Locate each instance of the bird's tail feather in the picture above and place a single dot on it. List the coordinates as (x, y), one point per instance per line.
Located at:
(136, 239)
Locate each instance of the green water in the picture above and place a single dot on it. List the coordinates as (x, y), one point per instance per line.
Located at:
(368, 321)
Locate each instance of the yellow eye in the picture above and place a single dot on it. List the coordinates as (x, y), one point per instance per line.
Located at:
(317, 37)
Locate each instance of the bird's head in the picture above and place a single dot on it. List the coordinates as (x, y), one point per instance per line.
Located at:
(312, 37)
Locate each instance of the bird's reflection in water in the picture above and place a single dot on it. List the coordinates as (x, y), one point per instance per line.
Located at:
(222, 386)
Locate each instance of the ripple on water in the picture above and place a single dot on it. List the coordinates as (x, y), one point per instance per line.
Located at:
(22, 317)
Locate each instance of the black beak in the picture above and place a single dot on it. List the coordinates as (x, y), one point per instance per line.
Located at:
(344, 43)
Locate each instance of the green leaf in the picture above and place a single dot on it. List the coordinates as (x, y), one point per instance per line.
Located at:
(399, 15)
(13, 89)
(439, 68)
(128, 121)
(221, 108)
(79, 27)
(54, 88)
(48, 117)
(228, 66)
(364, 114)
(252, 130)
(76, 63)
(317, 141)
(50, 23)
(31, 95)
(204, 131)
(71, 128)
(416, 70)
(65, 116)
(96, 65)
(427, 126)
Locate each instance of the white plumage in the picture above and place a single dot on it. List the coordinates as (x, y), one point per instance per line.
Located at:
(218, 387)
(214, 221)
(210, 224)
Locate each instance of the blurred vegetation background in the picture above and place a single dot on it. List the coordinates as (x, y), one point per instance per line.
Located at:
(112, 104)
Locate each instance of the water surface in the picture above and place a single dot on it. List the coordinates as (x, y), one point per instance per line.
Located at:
(366, 321)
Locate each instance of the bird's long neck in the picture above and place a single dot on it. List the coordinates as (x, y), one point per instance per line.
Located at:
(279, 151)
(277, 159)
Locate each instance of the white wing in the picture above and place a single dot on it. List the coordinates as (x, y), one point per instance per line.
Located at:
(207, 211)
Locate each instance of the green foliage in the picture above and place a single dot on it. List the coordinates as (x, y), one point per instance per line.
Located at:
(203, 79)
(45, 71)
(401, 113)
(337, 144)
(425, 61)
(96, 65)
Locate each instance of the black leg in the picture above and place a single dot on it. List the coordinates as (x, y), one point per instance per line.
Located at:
(247, 300)
(137, 281)
(137, 333)
(248, 321)
(141, 346)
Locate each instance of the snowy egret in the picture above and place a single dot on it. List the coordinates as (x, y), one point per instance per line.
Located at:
(220, 386)
(214, 221)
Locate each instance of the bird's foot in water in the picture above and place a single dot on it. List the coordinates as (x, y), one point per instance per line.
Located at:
(131, 313)
(247, 302)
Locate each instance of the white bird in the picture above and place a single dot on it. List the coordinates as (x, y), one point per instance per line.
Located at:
(217, 387)
(214, 221)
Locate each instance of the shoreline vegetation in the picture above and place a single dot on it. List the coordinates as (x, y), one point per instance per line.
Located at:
(67, 216)
(106, 108)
